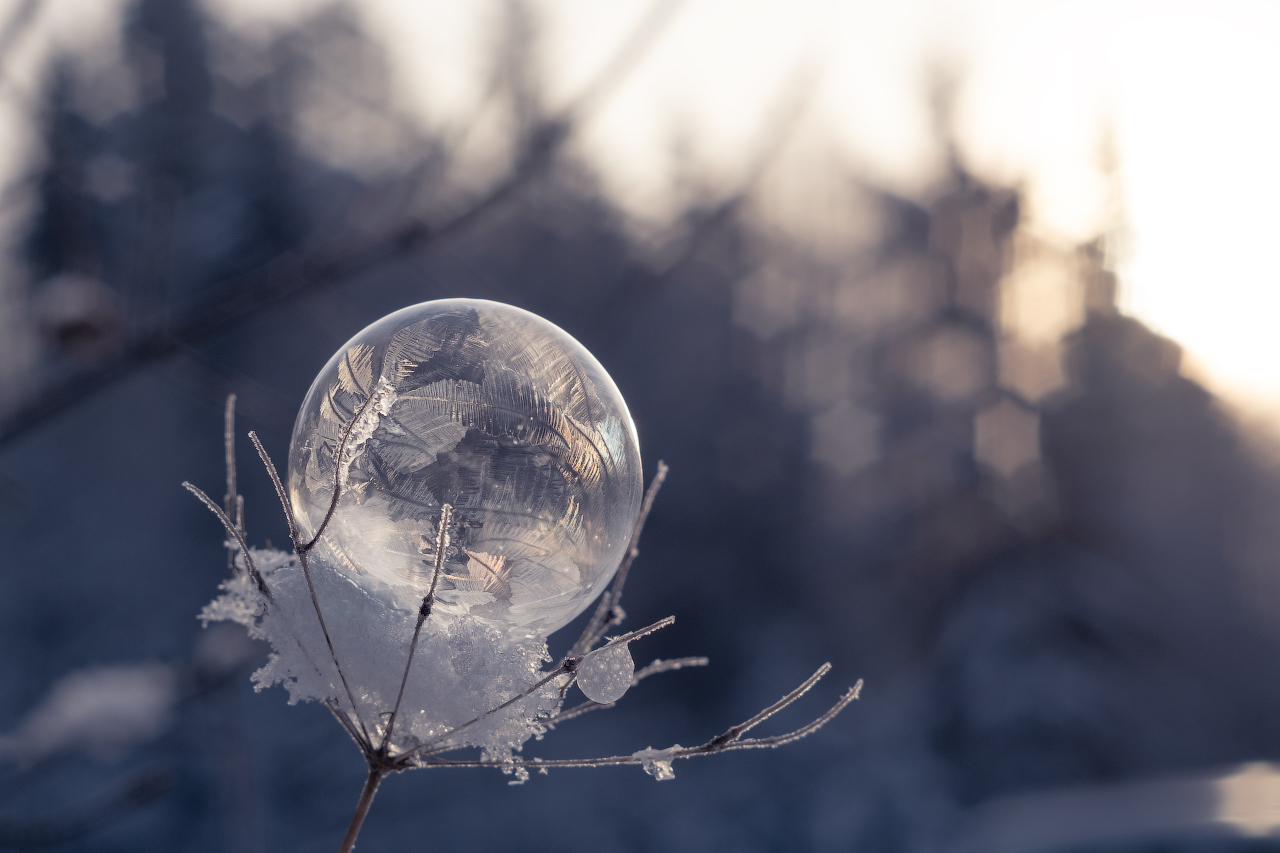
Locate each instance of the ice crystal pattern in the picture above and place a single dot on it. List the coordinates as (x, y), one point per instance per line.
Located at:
(494, 411)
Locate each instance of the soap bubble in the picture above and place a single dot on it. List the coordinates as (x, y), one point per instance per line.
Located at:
(494, 411)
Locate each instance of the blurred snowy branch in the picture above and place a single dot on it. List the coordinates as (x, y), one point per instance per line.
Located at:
(345, 251)
(104, 711)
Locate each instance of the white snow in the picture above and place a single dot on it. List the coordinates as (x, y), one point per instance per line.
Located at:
(463, 667)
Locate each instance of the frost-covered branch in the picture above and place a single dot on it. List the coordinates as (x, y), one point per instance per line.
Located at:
(657, 762)
(474, 676)
(300, 550)
(658, 666)
(235, 533)
(233, 502)
(442, 543)
(567, 666)
(328, 257)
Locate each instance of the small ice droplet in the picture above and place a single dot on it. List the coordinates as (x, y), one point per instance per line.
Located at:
(657, 762)
(605, 674)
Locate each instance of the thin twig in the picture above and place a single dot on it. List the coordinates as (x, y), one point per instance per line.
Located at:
(338, 466)
(659, 666)
(607, 611)
(735, 732)
(424, 612)
(641, 633)
(254, 574)
(311, 587)
(338, 715)
(403, 759)
(237, 531)
(779, 740)
(280, 492)
(231, 501)
(711, 747)
(654, 668)
(324, 629)
(568, 665)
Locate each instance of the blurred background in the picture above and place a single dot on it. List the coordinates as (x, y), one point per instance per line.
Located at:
(954, 321)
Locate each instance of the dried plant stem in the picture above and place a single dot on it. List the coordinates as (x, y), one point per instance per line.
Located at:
(380, 760)
(362, 807)
(366, 743)
(338, 468)
(652, 669)
(230, 525)
(324, 629)
(424, 612)
(568, 665)
(298, 548)
(722, 743)
(232, 503)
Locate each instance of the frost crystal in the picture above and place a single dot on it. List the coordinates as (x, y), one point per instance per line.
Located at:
(605, 674)
(489, 409)
(657, 762)
(463, 667)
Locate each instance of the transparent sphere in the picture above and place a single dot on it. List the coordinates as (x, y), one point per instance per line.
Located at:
(495, 412)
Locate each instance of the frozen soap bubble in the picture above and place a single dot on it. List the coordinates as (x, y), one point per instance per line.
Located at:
(499, 414)
(605, 674)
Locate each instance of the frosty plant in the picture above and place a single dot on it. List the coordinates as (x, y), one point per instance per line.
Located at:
(464, 479)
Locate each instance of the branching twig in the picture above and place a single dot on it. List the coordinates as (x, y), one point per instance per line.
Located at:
(711, 747)
(366, 742)
(566, 666)
(736, 732)
(381, 760)
(339, 464)
(652, 669)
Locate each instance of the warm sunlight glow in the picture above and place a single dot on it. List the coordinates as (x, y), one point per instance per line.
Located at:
(1182, 92)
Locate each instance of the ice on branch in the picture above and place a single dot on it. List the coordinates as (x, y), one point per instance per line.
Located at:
(605, 674)
(657, 762)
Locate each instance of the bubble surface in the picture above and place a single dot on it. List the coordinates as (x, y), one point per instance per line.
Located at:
(494, 411)
(605, 674)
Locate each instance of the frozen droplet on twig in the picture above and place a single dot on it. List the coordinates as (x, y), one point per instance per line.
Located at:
(657, 762)
(605, 674)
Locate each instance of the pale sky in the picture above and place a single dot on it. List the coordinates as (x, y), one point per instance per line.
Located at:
(1187, 91)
